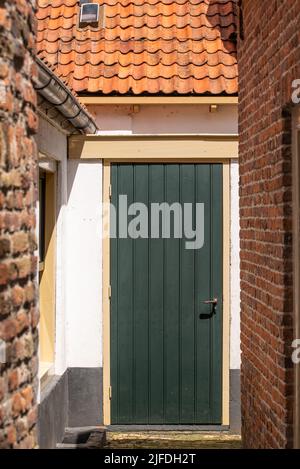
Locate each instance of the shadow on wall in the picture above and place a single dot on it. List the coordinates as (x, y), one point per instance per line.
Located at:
(71, 400)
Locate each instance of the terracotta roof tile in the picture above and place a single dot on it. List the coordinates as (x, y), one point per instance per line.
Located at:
(142, 46)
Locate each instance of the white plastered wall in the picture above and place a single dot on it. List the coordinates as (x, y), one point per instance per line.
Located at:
(191, 119)
(168, 119)
(78, 331)
(79, 244)
(84, 264)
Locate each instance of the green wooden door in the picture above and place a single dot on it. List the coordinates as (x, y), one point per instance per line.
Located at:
(166, 343)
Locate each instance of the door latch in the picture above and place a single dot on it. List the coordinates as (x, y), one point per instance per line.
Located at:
(213, 302)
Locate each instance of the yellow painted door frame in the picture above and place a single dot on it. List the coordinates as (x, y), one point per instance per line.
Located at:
(47, 270)
(226, 275)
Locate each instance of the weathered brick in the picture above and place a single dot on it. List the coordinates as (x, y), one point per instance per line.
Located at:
(3, 388)
(11, 435)
(23, 266)
(28, 395)
(18, 191)
(22, 321)
(20, 242)
(30, 292)
(32, 418)
(4, 247)
(18, 295)
(18, 404)
(29, 442)
(268, 63)
(8, 329)
(35, 316)
(13, 379)
(21, 428)
(4, 274)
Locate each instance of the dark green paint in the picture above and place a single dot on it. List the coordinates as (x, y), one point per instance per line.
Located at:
(166, 347)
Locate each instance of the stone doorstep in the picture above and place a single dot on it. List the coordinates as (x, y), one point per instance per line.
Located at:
(172, 440)
(99, 437)
(83, 438)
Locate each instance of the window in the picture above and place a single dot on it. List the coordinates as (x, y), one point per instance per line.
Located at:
(47, 255)
(89, 13)
(42, 219)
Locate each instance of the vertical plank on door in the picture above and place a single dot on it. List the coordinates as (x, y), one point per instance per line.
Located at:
(166, 345)
(140, 305)
(188, 294)
(171, 304)
(156, 306)
(125, 351)
(203, 292)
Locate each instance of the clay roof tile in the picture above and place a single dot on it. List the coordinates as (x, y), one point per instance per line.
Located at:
(142, 46)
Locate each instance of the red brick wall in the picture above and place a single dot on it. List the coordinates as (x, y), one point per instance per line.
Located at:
(269, 60)
(18, 265)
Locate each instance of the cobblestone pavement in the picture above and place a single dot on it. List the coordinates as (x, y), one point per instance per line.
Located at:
(171, 440)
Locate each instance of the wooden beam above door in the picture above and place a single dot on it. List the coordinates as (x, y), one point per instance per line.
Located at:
(145, 147)
(158, 100)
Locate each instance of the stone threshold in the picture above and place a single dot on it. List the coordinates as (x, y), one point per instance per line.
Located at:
(179, 439)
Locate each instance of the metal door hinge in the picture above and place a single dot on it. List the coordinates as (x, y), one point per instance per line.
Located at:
(109, 392)
(110, 192)
(109, 292)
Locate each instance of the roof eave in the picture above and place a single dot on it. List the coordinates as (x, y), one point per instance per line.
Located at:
(53, 90)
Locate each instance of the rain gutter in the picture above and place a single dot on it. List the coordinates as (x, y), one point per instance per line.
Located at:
(57, 94)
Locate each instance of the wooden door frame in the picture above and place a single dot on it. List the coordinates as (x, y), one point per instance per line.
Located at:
(226, 278)
(47, 272)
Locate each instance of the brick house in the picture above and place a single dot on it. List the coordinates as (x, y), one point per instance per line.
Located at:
(160, 79)
(18, 164)
(125, 337)
(269, 212)
(155, 102)
(33, 101)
